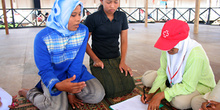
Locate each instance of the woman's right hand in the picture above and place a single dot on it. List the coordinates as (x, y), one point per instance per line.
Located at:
(147, 97)
(68, 86)
(98, 63)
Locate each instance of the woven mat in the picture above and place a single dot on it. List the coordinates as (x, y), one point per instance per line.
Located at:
(104, 104)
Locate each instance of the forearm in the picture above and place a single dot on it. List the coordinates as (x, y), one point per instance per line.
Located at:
(123, 52)
(153, 93)
(159, 82)
(161, 95)
(58, 86)
(124, 45)
(53, 90)
(89, 50)
(91, 53)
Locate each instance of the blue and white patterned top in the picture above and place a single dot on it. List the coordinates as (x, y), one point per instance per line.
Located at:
(58, 52)
(58, 57)
(64, 48)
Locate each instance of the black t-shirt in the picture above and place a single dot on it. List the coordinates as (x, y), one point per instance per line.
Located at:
(105, 33)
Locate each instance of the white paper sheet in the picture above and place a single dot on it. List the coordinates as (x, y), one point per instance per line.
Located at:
(6, 99)
(133, 103)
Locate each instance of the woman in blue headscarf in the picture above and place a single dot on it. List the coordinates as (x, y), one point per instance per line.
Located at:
(59, 52)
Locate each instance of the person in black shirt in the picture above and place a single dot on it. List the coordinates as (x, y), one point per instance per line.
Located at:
(107, 64)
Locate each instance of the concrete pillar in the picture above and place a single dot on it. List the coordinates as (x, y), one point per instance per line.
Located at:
(174, 4)
(5, 17)
(11, 3)
(196, 22)
(146, 13)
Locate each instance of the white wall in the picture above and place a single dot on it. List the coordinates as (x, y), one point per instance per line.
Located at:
(18, 3)
(91, 3)
(24, 3)
(47, 3)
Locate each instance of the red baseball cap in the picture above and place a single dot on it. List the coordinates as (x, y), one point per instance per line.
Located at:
(172, 33)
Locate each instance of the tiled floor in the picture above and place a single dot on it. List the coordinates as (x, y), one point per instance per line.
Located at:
(18, 70)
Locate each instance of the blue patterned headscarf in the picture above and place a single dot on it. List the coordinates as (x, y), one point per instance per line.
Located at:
(60, 14)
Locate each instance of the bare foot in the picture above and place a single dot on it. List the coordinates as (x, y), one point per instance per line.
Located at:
(74, 101)
(23, 92)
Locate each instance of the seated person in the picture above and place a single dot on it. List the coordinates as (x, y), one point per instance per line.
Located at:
(184, 70)
(59, 51)
(209, 101)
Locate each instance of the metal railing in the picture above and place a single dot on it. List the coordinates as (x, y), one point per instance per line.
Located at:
(21, 18)
(207, 15)
(28, 17)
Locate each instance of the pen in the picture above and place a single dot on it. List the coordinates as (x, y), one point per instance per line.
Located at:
(208, 105)
(144, 93)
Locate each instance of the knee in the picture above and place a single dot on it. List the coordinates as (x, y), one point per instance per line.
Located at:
(149, 77)
(94, 93)
(98, 96)
(38, 99)
(180, 103)
(94, 97)
(42, 103)
(197, 101)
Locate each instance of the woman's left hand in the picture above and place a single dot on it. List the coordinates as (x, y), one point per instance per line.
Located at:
(155, 101)
(75, 102)
(123, 66)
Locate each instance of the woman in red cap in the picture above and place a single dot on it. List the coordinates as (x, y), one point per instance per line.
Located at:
(185, 71)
